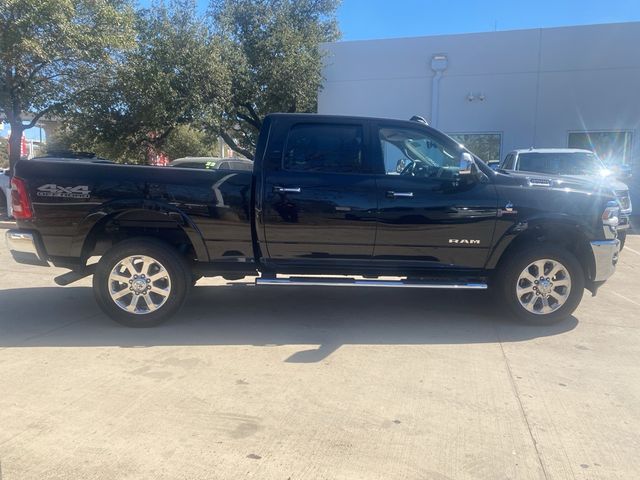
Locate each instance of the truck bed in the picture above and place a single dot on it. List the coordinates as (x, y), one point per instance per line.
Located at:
(71, 197)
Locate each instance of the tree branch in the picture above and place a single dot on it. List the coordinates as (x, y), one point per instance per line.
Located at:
(228, 139)
(249, 120)
(41, 114)
(254, 115)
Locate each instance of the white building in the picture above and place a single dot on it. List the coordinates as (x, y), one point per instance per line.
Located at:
(555, 87)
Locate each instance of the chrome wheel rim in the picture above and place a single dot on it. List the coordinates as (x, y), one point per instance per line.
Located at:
(543, 286)
(139, 284)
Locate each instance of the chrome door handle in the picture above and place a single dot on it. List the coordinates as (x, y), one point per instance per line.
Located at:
(392, 194)
(287, 189)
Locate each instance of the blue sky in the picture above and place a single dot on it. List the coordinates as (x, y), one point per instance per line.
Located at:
(367, 19)
(31, 134)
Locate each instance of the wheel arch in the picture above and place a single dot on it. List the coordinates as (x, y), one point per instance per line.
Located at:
(560, 232)
(116, 221)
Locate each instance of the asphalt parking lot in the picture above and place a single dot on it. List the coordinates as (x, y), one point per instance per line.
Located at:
(317, 383)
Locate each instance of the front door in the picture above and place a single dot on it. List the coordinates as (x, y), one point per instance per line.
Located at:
(431, 214)
(320, 197)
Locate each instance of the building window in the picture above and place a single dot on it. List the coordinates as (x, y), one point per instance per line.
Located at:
(485, 145)
(613, 148)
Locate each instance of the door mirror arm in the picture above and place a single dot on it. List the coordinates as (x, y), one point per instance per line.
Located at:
(469, 168)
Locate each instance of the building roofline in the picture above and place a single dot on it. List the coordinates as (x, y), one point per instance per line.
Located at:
(487, 32)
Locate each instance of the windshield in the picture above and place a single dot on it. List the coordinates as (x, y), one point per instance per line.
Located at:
(561, 163)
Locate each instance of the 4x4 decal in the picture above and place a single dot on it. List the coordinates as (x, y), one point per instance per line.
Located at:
(58, 191)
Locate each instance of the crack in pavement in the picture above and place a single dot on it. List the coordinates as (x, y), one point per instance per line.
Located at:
(514, 388)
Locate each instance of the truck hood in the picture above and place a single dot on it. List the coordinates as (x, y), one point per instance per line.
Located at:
(610, 182)
(588, 183)
(581, 183)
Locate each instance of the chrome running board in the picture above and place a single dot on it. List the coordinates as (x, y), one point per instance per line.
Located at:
(352, 282)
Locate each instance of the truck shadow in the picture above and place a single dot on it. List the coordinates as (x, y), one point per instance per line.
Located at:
(318, 319)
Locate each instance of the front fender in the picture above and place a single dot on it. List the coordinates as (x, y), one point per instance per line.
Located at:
(540, 227)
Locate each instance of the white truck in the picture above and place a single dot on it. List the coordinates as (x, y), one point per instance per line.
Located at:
(575, 163)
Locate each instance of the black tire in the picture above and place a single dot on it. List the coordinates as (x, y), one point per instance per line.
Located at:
(509, 272)
(176, 282)
(622, 236)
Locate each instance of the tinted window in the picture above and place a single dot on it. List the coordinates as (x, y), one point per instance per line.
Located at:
(324, 148)
(241, 166)
(417, 154)
(508, 162)
(561, 163)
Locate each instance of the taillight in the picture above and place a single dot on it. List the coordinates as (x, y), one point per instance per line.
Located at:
(20, 200)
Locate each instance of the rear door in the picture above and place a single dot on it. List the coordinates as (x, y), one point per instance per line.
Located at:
(319, 195)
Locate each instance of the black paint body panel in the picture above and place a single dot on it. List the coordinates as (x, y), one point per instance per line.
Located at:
(336, 223)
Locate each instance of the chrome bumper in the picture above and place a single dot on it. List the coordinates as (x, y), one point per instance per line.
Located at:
(624, 221)
(605, 255)
(24, 248)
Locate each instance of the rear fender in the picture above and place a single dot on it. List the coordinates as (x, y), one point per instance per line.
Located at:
(116, 209)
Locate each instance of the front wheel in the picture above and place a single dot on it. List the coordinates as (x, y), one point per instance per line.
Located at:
(542, 285)
(141, 282)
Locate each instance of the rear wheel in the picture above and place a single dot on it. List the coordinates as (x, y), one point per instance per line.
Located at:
(141, 282)
(541, 285)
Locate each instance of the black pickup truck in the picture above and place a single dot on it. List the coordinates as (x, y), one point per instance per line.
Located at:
(331, 200)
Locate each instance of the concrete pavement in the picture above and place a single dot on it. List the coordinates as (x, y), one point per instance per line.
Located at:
(317, 383)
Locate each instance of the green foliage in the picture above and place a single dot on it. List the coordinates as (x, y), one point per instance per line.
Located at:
(274, 49)
(4, 155)
(164, 78)
(53, 50)
(182, 141)
(486, 145)
(174, 77)
(186, 141)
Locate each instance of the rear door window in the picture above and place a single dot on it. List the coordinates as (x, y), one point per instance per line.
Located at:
(324, 148)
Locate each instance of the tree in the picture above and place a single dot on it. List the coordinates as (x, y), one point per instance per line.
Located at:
(4, 153)
(274, 48)
(173, 77)
(53, 51)
(186, 141)
(485, 146)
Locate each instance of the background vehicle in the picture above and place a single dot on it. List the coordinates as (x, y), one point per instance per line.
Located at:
(213, 163)
(328, 195)
(575, 163)
(5, 194)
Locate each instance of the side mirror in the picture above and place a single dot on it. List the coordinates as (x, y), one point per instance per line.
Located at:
(467, 165)
(469, 169)
(494, 164)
